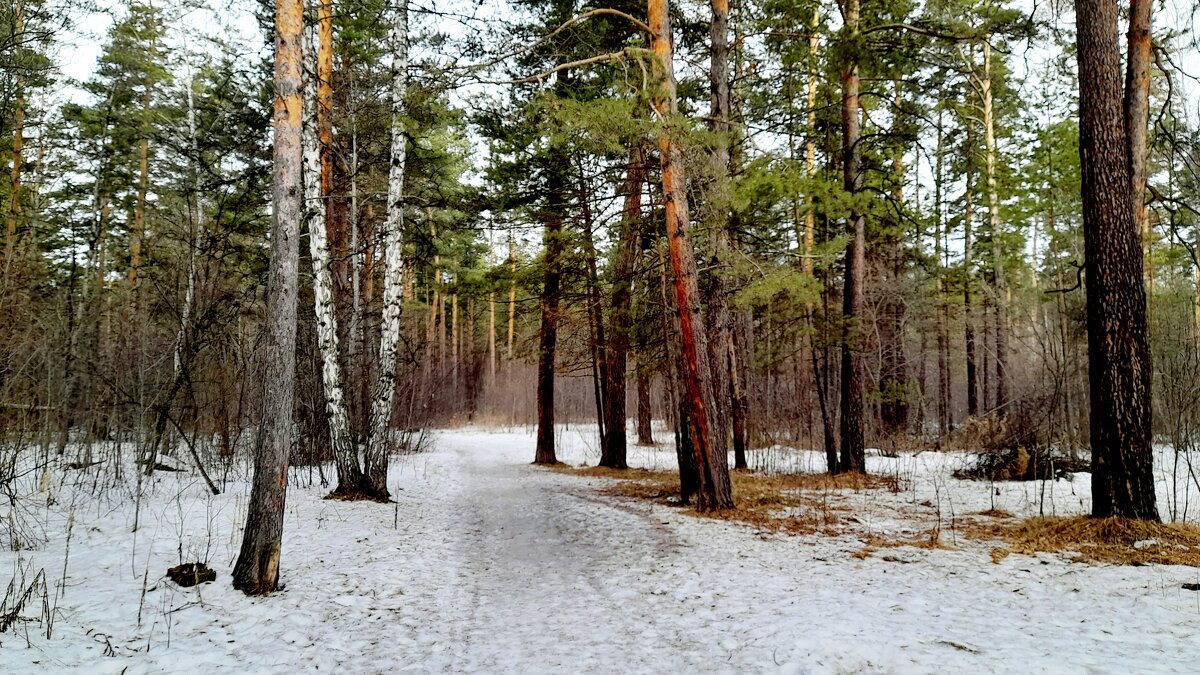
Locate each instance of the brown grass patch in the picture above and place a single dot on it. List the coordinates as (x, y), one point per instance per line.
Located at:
(761, 499)
(1111, 540)
(624, 474)
(929, 539)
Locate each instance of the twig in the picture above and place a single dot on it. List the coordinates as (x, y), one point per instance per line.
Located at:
(1079, 268)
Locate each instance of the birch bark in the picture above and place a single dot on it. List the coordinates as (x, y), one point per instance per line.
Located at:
(378, 445)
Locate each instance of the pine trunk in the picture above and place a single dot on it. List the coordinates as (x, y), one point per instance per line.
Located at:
(1137, 118)
(968, 276)
(645, 413)
(615, 448)
(685, 452)
(943, 339)
(709, 447)
(1119, 367)
(14, 195)
(512, 297)
(548, 334)
(853, 452)
(257, 569)
(1001, 289)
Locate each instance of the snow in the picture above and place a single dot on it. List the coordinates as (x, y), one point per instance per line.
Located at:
(488, 564)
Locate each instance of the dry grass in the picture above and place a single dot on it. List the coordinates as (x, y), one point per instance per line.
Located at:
(929, 539)
(792, 503)
(626, 474)
(1111, 540)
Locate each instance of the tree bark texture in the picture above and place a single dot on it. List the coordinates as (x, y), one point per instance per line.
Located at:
(712, 461)
(351, 481)
(257, 569)
(628, 244)
(1000, 287)
(852, 450)
(729, 417)
(382, 403)
(548, 334)
(677, 404)
(1119, 367)
(1137, 117)
(644, 411)
(18, 142)
(968, 276)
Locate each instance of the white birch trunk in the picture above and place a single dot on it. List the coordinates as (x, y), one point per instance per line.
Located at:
(393, 283)
(185, 313)
(356, 260)
(349, 475)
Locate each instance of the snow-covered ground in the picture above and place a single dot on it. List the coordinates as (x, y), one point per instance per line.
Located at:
(488, 564)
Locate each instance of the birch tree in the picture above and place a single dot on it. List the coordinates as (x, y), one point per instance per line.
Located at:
(350, 476)
(378, 442)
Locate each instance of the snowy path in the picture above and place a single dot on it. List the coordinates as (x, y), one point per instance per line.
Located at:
(553, 576)
(487, 564)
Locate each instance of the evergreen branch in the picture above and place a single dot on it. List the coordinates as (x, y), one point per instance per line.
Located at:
(603, 11)
(919, 30)
(538, 77)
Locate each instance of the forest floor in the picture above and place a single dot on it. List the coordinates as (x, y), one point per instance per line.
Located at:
(488, 564)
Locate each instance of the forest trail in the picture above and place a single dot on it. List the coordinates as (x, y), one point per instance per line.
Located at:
(553, 575)
(488, 564)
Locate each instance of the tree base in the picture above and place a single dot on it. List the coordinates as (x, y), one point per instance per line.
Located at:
(359, 494)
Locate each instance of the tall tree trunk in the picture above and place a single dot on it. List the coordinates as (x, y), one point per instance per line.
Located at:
(893, 381)
(853, 452)
(379, 441)
(645, 412)
(711, 457)
(257, 569)
(598, 344)
(685, 451)
(491, 345)
(324, 99)
(350, 476)
(512, 296)
(359, 355)
(455, 371)
(548, 334)
(614, 451)
(138, 232)
(724, 354)
(810, 144)
(1137, 119)
(997, 231)
(1119, 367)
(14, 195)
(968, 275)
(943, 339)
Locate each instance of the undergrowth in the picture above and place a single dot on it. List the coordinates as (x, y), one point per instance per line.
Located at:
(793, 503)
(1108, 540)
